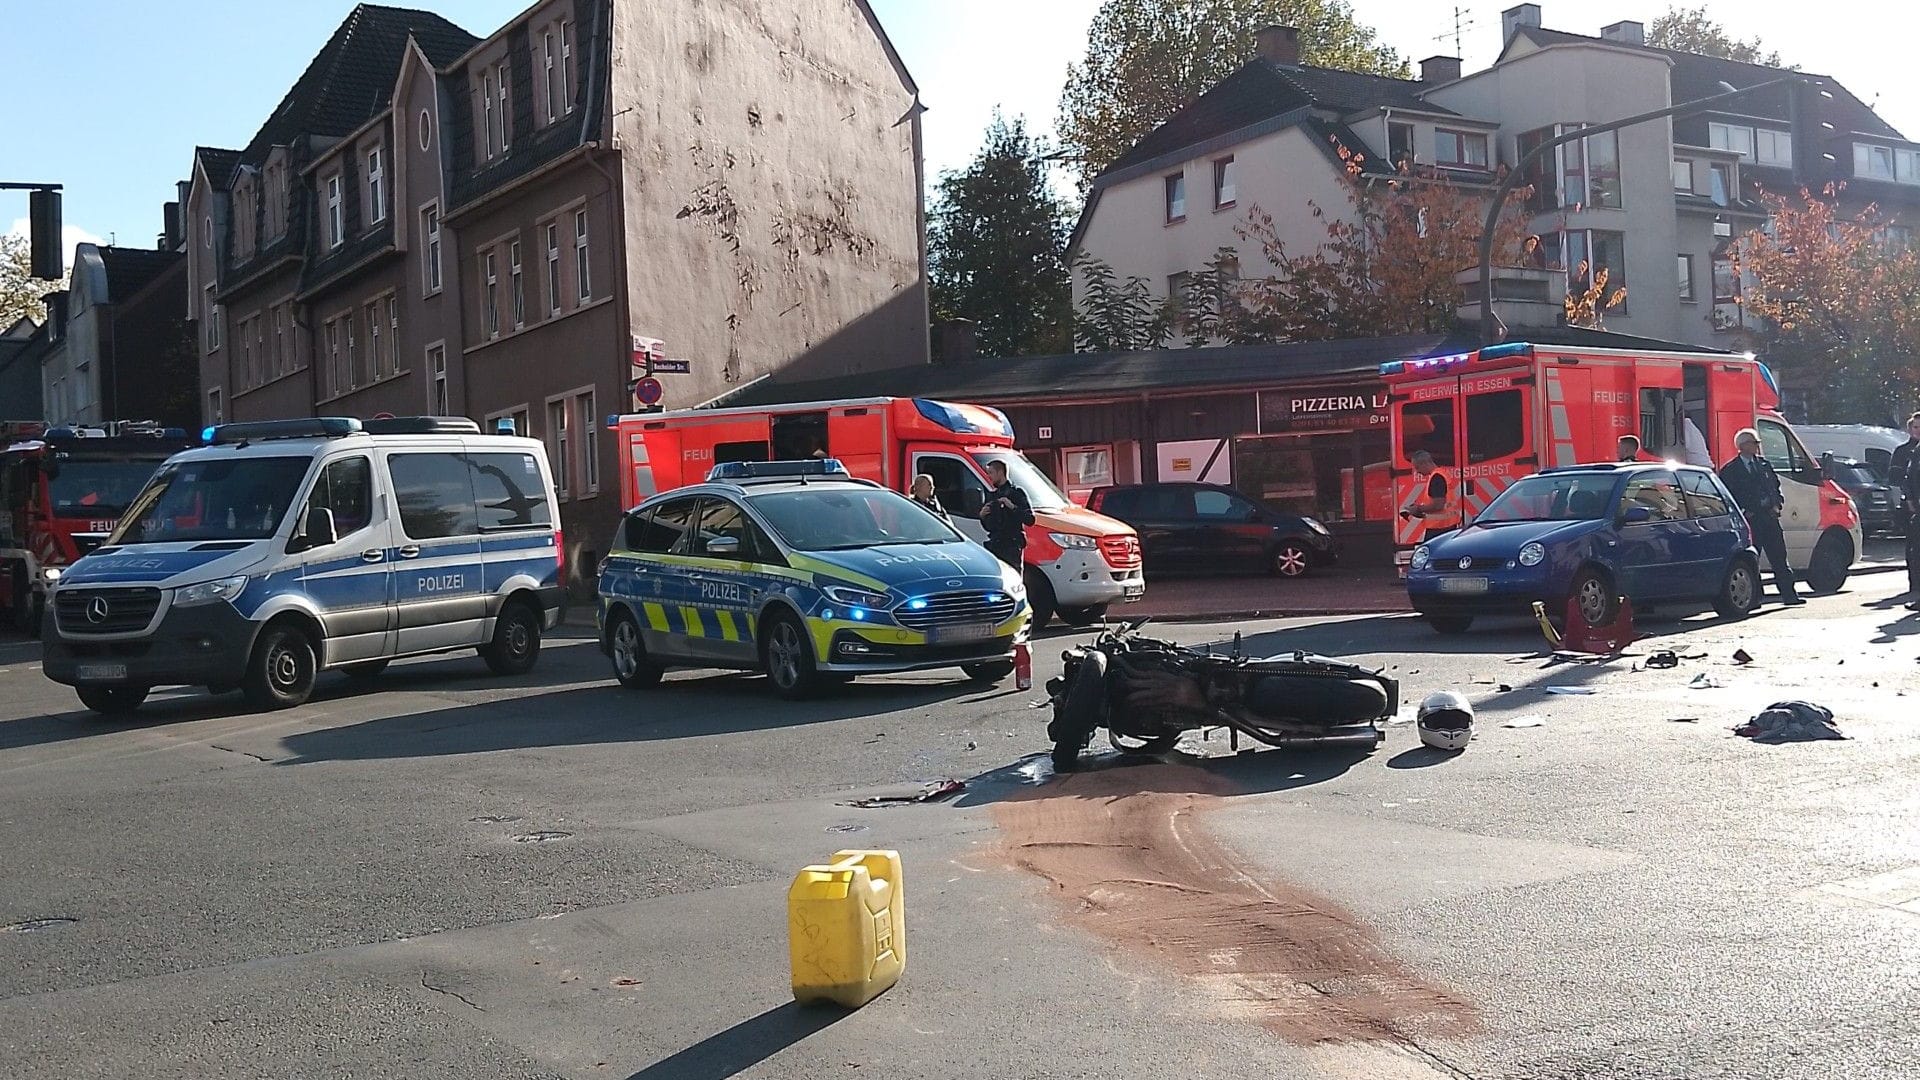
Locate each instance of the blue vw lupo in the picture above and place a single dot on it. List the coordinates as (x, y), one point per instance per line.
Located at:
(1661, 534)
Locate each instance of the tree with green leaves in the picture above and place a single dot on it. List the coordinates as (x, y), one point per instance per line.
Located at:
(996, 247)
(1117, 315)
(1692, 30)
(1147, 59)
(20, 291)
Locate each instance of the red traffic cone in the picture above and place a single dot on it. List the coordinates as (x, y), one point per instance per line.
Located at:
(1023, 665)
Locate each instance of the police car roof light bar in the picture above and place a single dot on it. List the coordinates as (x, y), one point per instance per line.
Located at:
(420, 425)
(765, 470)
(318, 427)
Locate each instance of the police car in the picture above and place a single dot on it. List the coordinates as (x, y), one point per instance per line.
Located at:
(289, 547)
(797, 569)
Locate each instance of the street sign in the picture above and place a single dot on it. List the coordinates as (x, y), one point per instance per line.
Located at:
(648, 391)
(673, 367)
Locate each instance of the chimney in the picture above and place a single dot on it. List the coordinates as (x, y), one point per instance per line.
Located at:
(1435, 70)
(170, 227)
(183, 189)
(1278, 44)
(1516, 17)
(1626, 32)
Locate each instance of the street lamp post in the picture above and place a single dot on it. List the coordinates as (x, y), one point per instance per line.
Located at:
(1512, 179)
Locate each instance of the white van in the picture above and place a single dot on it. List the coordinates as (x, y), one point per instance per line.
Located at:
(1857, 442)
(289, 547)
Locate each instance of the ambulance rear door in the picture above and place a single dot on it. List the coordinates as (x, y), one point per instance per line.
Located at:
(1494, 436)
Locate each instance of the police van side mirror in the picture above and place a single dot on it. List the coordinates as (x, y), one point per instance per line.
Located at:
(317, 531)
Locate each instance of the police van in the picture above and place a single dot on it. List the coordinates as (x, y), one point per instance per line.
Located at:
(799, 570)
(285, 548)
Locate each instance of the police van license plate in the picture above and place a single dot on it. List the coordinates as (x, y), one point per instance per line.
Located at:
(100, 672)
(1472, 586)
(960, 633)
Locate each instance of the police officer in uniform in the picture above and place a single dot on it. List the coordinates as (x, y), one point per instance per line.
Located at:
(1754, 485)
(1006, 516)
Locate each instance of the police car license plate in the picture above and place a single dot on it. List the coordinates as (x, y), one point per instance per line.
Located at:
(100, 672)
(1469, 585)
(960, 633)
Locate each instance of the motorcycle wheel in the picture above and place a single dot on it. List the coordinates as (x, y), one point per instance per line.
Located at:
(1079, 712)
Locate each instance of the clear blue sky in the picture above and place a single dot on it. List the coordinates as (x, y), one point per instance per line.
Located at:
(109, 97)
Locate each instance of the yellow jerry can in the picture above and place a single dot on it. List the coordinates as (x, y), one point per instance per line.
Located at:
(847, 928)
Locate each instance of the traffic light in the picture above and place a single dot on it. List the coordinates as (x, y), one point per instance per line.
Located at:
(43, 211)
(1812, 133)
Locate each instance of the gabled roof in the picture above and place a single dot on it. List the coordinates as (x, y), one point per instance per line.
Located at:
(131, 269)
(1696, 76)
(1262, 90)
(351, 79)
(219, 165)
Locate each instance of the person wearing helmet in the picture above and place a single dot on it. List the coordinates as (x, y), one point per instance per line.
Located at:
(1446, 720)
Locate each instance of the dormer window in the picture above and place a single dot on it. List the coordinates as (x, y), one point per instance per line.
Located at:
(1460, 149)
(376, 187)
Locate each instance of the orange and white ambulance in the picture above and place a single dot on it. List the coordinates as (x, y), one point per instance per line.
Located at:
(1492, 416)
(1077, 562)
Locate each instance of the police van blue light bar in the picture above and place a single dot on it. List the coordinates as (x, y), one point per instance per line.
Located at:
(318, 427)
(760, 470)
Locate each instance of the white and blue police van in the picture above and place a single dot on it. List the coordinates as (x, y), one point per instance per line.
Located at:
(285, 548)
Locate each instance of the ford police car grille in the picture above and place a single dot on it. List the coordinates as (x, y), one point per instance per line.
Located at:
(948, 609)
(105, 611)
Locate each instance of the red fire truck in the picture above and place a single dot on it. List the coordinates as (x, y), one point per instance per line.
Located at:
(62, 490)
(1489, 417)
(1078, 562)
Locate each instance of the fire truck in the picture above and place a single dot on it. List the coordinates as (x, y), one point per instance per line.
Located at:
(1077, 562)
(1492, 416)
(62, 491)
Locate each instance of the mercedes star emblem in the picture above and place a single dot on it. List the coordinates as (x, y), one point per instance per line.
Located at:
(97, 610)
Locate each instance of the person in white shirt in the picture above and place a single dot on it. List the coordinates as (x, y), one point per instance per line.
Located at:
(1696, 443)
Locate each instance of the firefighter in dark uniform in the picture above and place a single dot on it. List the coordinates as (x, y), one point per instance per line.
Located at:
(1754, 485)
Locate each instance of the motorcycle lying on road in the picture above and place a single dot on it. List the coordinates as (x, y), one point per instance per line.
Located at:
(1147, 693)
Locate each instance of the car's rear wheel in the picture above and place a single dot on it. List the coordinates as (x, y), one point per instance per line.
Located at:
(1832, 562)
(1594, 598)
(1739, 591)
(1290, 559)
(629, 654)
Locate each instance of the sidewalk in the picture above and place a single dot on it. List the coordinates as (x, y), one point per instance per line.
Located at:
(1341, 591)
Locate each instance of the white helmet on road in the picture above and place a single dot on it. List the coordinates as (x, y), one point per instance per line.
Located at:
(1446, 721)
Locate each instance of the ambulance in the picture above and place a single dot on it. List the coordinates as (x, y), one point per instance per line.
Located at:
(1492, 416)
(1077, 562)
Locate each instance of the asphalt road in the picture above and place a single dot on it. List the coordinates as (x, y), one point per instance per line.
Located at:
(459, 876)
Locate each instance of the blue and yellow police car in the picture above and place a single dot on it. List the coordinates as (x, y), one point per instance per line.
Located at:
(796, 569)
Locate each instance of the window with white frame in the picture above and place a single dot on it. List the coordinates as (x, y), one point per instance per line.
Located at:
(430, 258)
(437, 402)
(589, 442)
(245, 341)
(352, 360)
(1772, 147)
(515, 419)
(567, 81)
(518, 284)
(334, 382)
(549, 76)
(1685, 267)
(486, 112)
(1225, 187)
(376, 187)
(1683, 175)
(490, 286)
(553, 268)
(1906, 166)
(393, 333)
(375, 360)
(279, 341)
(1460, 149)
(1735, 137)
(1874, 162)
(213, 321)
(506, 118)
(216, 411)
(582, 275)
(557, 444)
(336, 226)
(1175, 197)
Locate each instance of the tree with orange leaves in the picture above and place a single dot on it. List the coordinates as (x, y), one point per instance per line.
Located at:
(1839, 301)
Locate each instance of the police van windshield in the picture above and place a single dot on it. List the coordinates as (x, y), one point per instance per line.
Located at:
(97, 489)
(237, 498)
(1041, 494)
(1552, 498)
(845, 519)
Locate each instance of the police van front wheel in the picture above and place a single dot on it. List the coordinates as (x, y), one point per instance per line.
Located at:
(516, 641)
(281, 671)
(789, 658)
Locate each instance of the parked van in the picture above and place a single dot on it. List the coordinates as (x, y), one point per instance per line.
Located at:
(1874, 446)
(290, 547)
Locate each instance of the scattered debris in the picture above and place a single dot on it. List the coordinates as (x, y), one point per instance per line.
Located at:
(1791, 721)
(1683, 719)
(1504, 688)
(1704, 681)
(495, 819)
(1664, 658)
(971, 745)
(849, 827)
(1572, 691)
(624, 981)
(34, 926)
(1527, 721)
(1740, 657)
(541, 837)
(934, 792)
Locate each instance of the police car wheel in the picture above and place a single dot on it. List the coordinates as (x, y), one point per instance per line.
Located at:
(281, 671)
(629, 653)
(788, 658)
(516, 641)
(112, 700)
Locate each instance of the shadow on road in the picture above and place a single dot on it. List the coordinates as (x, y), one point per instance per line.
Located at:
(744, 1045)
(1250, 772)
(1421, 757)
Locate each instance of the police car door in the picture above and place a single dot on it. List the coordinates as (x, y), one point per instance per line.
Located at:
(438, 602)
(347, 580)
(722, 550)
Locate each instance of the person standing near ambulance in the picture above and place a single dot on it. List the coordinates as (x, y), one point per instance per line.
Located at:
(1434, 505)
(1006, 516)
(1751, 481)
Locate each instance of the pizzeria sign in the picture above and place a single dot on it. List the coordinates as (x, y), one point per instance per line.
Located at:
(1341, 408)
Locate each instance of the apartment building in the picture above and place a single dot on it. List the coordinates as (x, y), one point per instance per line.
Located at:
(1659, 205)
(518, 227)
